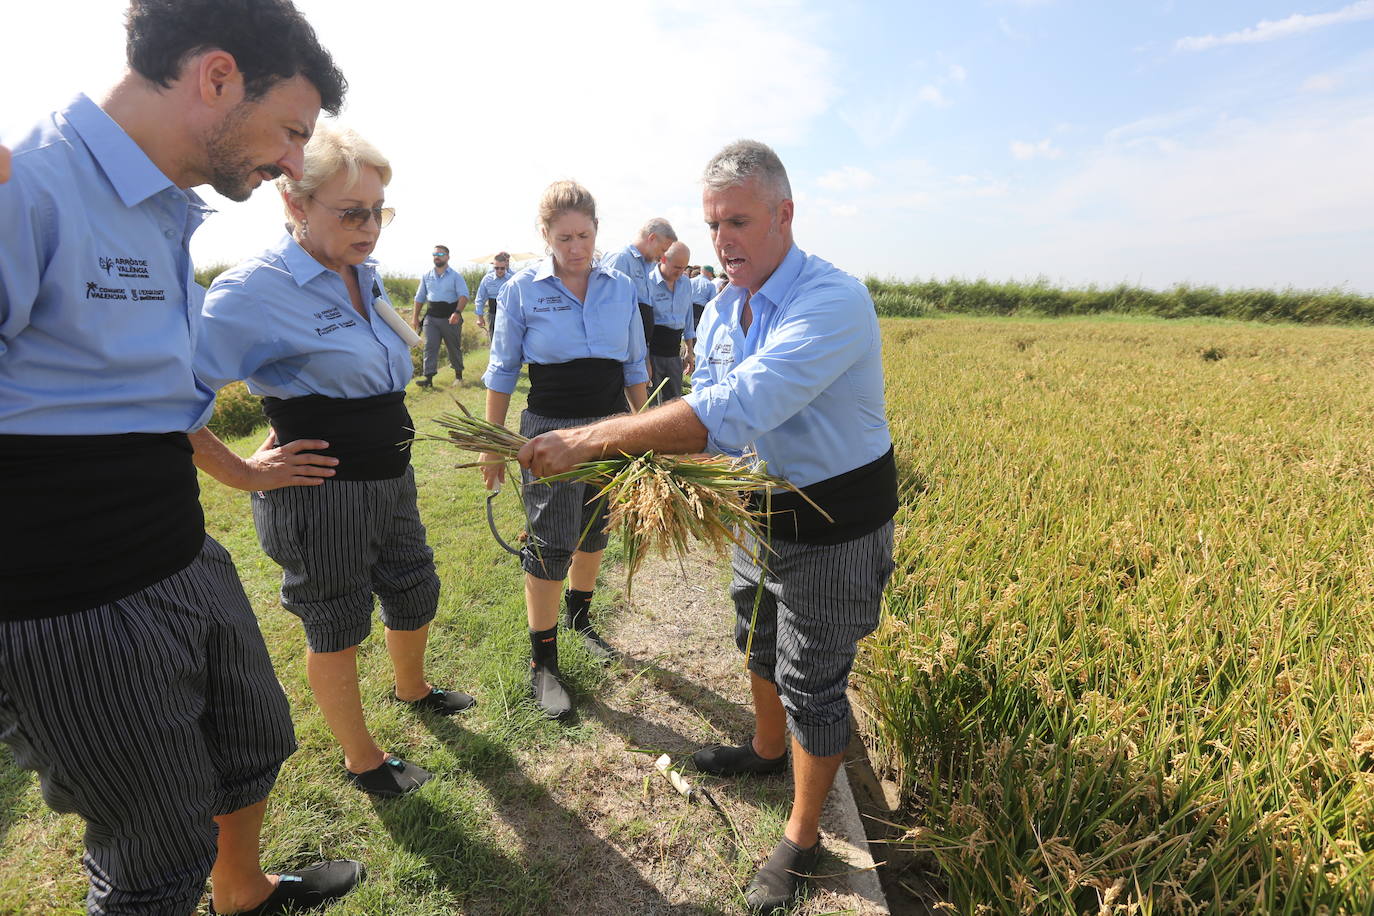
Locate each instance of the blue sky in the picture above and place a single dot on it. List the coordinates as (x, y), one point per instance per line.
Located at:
(1154, 142)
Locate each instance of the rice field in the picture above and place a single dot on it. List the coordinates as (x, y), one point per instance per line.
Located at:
(1126, 664)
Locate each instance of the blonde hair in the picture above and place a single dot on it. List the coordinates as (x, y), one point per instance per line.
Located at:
(562, 197)
(331, 150)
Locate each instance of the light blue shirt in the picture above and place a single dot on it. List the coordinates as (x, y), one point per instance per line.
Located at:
(539, 321)
(703, 290)
(631, 263)
(672, 307)
(285, 323)
(97, 292)
(434, 288)
(804, 386)
(491, 287)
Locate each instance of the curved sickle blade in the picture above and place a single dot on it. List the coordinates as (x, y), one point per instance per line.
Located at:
(491, 523)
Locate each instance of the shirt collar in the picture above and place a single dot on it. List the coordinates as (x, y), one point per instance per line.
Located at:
(657, 275)
(784, 276)
(134, 176)
(544, 270)
(304, 267)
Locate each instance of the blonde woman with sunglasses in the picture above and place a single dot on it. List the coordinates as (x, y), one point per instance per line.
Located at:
(307, 325)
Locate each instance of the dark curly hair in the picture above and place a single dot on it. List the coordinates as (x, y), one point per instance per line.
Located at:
(270, 40)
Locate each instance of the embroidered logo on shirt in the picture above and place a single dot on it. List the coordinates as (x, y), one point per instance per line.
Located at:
(127, 268)
(723, 353)
(327, 329)
(328, 314)
(96, 291)
(549, 300)
(148, 295)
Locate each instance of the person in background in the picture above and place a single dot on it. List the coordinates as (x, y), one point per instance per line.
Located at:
(636, 259)
(718, 282)
(670, 290)
(444, 293)
(489, 289)
(133, 676)
(789, 365)
(575, 323)
(703, 291)
(296, 321)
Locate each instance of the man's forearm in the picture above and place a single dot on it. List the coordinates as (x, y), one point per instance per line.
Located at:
(672, 429)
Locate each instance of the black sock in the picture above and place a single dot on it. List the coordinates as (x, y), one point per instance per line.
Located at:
(544, 646)
(579, 608)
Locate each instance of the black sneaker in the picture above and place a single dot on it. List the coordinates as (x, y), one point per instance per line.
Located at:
(600, 650)
(308, 888)
(549, 693)
(394, 778)
(439, 702)
(724, 760)
(780, 881)
(426, 382)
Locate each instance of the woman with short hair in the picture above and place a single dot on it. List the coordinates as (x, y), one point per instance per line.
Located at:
(576, 325)
(306, 324)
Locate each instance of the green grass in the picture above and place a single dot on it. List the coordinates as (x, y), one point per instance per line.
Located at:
(1131, 631)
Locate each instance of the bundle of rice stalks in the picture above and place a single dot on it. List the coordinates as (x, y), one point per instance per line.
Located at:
(656, 502)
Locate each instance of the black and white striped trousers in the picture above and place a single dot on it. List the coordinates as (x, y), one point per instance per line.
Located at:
(148, 716)
(818, 601)
(558, 513)
(340, 543)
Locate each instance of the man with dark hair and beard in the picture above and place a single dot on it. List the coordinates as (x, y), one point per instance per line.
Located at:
(133, 676)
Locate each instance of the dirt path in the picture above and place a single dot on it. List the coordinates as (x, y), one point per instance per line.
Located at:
(682, 686)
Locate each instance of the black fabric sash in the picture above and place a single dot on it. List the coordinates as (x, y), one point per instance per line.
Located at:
(438, 310)
(666, 341)
(646, 318)
(491, 305)
(577, 388)
(91, 519)
(369, 436)
(860, 501)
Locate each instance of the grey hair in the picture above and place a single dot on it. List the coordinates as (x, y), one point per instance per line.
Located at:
(331, 150)
(660, 227)
(742, 160)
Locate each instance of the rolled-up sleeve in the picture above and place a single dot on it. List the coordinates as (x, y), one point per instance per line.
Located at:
(507, 342)
(233, 341)
(805, 353)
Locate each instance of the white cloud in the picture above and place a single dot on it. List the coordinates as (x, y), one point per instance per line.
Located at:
(1321, 82)
(844, 211)
(538, 90)
(957, 74)
(1044, 149)
(846, 178)
(1155, 128)
(1269, 30)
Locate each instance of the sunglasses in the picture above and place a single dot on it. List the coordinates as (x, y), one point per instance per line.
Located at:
(440, 254)
(357, 217)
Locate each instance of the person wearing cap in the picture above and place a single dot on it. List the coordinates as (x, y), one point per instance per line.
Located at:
(636, 259)
(789, 367)
(444, 293)
(134, 678)
(489, 289)
(670, 290)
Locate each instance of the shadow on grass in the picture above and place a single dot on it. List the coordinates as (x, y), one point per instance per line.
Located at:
(565, 866)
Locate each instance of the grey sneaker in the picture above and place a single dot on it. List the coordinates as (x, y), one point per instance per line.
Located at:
(777, 885)
(549, 693)
(724, 760)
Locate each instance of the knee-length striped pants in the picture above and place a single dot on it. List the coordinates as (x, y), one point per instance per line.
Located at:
(817, 602)
(148, 716)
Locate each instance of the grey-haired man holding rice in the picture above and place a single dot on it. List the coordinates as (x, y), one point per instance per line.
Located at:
(789, 365)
